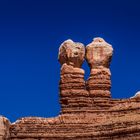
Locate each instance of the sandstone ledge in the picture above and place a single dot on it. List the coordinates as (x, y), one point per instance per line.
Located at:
(118, 122)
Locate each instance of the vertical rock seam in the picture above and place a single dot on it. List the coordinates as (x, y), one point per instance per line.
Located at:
(4, 128)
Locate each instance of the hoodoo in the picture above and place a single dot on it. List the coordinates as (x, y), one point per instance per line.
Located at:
(72, 84)
(88, 111)
(98, 55)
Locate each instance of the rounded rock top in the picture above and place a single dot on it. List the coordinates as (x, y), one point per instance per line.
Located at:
(71, 53)
(99, 53)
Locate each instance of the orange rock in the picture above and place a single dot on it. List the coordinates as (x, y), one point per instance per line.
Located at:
(99, 53)
(87, 110)
(72, 53)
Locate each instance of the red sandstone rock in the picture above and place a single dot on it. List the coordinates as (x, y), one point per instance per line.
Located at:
(71, 53)
(87, 110)
(99, 53)
(72, 88)
(119, 122)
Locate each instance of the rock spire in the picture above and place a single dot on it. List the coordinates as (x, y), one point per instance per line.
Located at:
(87, 110)
(98, 56)
(72, 84)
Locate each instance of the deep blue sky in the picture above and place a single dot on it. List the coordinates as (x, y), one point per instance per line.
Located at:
(30, 34)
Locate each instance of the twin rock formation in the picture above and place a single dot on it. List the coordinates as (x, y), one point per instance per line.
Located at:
(87, 110)
(77, 94)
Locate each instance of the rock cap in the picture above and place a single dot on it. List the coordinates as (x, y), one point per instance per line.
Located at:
(99, 53)
(71, 53)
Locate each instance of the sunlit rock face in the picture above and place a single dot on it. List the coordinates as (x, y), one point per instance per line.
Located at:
(98, 56)
(72, 84)
(72, 53)
(87, 110)
(99, 53)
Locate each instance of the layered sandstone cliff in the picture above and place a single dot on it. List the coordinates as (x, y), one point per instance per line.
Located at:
(87, 110)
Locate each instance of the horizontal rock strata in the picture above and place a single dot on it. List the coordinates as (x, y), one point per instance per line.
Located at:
(73, 94)
(87, 110)
(99, 54)
(119, 122)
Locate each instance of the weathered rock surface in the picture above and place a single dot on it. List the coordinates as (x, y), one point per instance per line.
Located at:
(73, 94)
(87, 110)
(98, 55)
(72, 88)
(4, 128)
(72, 53)
(121, 121)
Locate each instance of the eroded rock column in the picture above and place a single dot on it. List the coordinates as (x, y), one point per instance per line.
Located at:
(72, 85)
(98, 55)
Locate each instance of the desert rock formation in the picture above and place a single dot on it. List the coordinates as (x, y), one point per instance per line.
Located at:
(72, 84)
(98, 55)
(87, 110)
